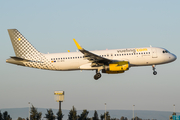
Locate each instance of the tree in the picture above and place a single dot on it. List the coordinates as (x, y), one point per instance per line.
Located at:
(1, 116)
(122, 118)
(107, 116)
(59, 115)
(5, 116)
(20, 118)
(95, 115)
(35, 115)
(102, 117)
(136, 118)
(83, 115)
(72, 114)
(113, 119)
(174, 113)
(50, 115)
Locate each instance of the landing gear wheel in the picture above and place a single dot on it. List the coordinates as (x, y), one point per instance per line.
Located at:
(97, 76)
(154, 73)
(154, 68)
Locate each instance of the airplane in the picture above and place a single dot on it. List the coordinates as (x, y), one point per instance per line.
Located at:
(102, 61)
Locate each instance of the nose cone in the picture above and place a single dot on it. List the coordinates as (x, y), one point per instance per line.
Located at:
(173, 57)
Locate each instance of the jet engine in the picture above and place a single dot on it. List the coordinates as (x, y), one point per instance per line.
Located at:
(116, 67)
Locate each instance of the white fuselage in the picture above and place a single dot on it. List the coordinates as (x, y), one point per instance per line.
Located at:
(107, 61)
(136, 57)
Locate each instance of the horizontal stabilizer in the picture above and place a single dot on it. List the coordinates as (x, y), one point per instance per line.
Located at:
(19, 59)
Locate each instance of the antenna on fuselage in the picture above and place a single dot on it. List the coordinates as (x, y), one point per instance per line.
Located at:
(150, 46)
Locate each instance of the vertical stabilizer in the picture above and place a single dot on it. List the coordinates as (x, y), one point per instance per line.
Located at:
(22, 47)
(25, 51)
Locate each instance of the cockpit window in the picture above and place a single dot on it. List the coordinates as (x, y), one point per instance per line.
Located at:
(165, 51)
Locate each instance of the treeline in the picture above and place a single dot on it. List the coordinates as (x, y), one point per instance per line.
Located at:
(49, 115)
(5, 116)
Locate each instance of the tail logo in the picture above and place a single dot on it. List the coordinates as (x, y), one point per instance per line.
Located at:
(19, 39)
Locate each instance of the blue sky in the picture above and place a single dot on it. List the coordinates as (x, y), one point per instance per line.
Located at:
(51, 26)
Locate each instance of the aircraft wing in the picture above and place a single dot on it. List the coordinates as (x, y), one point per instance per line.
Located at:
(91, 56)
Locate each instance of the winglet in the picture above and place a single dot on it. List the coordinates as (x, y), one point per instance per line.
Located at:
(77, 44)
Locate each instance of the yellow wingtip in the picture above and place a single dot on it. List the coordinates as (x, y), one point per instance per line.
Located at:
(77, 44)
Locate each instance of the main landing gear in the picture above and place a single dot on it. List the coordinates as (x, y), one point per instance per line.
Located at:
(154, 72)
(97, 75)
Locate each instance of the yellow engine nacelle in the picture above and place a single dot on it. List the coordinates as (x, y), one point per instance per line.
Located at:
(116, 67)
(119, 66)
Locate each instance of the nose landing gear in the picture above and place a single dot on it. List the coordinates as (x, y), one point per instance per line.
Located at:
(154, 72)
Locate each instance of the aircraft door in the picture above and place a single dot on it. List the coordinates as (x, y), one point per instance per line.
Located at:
(154, 52)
